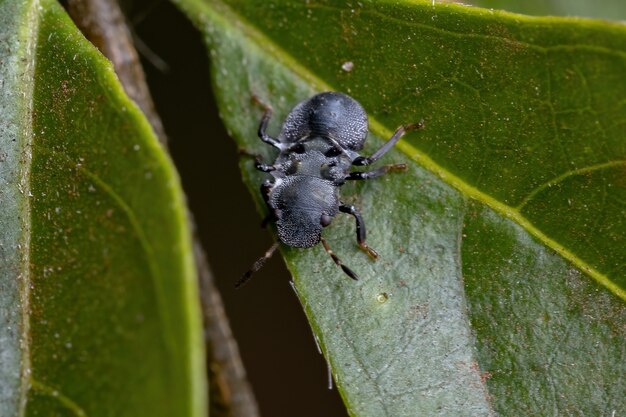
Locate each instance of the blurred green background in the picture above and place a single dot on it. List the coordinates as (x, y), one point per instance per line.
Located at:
(600, 9)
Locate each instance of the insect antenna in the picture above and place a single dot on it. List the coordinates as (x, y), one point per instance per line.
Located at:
(345, 269)
(256, 266)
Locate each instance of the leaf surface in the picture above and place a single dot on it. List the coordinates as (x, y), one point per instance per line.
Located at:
(98, 310)
(501, 284)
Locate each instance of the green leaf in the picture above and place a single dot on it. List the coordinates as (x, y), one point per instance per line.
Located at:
(500, 289)
(99, 310)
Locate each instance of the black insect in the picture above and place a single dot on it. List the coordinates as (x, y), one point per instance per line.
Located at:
(318, 143)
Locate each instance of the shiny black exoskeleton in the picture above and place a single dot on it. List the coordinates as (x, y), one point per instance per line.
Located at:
(318, 143)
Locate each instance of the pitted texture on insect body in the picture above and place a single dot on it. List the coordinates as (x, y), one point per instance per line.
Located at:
(315, 157)
(299, 202)
(318, 143)
(329, 114)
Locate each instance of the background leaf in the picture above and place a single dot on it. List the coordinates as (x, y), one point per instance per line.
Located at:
(605, 9)
(502, 260)
(100, 315)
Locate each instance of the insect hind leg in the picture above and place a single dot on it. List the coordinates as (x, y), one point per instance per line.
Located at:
(337, 261)
(256, 266)
(360, 230)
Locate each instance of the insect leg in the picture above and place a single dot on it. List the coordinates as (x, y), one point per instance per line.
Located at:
(367, 160)
(336, 259)
(360, 229)
(258, 163)
(376, 173)
(266, 187)
(256, 266)
(263, 125)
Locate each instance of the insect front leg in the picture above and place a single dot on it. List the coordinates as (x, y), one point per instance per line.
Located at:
(263, 125)
(367, 160)
(360, 229)
(376, 172)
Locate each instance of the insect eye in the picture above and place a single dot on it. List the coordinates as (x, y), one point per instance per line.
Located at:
(298, 148)
(325, 220)
(332, 152)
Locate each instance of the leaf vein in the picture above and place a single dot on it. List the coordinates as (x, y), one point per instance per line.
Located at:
(558, 179)
(66, 401)
(143, 241)
(461, 35)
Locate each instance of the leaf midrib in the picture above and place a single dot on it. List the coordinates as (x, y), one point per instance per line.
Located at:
(231, 18)
(30, 32)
